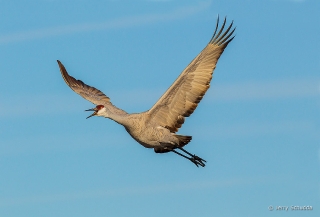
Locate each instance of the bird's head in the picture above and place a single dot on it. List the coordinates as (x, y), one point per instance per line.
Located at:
(97, 111)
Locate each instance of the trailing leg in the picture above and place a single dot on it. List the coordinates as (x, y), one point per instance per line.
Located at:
(193, 156)
(194, 159)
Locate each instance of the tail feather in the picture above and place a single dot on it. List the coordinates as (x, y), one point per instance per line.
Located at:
(183, 140)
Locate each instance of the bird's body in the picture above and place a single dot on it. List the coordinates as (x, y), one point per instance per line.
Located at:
(157, 127)
(150, 135)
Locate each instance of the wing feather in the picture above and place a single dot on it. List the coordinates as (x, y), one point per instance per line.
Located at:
(91, 94)
(183, 96)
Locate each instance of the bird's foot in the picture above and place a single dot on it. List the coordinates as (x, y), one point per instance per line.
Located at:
(197, 160)
(193, 158)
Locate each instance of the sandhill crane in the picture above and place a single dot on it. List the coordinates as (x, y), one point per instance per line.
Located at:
(157, 127)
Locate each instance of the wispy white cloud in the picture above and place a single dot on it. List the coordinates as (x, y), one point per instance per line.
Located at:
(37, 104)
(295, 1)
(232, 92)
(137, 190)
(48, 143)
(254, 128)
(158, 0)
(298, 1)
(262, 90)
(40, 104)
(124, 22)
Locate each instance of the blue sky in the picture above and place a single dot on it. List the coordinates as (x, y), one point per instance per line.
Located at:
(258, 126)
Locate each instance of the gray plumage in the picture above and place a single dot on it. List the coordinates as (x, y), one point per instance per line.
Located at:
(157, 127)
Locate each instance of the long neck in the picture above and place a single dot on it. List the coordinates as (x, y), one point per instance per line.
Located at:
(116, 114)
(119, 118)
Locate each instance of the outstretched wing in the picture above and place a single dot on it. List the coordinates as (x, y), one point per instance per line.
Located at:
(182, 98)
(89, 93)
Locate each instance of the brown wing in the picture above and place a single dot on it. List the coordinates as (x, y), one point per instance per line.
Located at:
(89, 93)
(182, 98)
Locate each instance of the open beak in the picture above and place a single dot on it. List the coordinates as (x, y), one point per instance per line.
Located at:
(93, 114)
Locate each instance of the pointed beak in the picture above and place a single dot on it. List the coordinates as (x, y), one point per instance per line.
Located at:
(93, 114)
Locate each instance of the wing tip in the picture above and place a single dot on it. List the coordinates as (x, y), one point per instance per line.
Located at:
(59, 63)
(222, 38)
(66, 77)
(61, 66)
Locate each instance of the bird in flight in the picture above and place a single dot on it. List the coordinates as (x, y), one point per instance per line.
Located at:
(157, 127)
